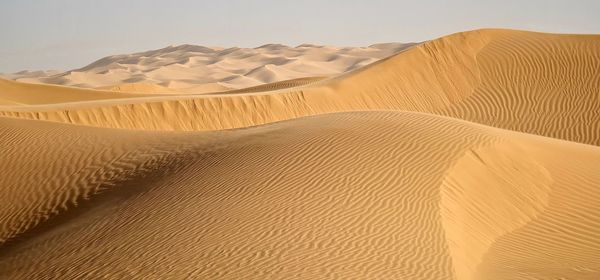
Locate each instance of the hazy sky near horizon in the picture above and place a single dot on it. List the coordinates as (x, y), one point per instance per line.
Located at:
(66, 34)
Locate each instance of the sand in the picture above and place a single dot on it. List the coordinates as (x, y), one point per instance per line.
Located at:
(199, 69)
(471, 156)
(502, 78)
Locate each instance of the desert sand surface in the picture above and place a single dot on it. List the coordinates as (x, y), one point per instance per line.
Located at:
(199, 69)
(472, 156)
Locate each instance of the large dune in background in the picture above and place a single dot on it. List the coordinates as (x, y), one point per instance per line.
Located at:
(471, 156)
(198, 69)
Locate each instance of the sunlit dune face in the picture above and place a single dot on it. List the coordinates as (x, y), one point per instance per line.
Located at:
(471, 156)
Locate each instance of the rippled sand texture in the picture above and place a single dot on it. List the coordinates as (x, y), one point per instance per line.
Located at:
(530, 82)
(472, 156)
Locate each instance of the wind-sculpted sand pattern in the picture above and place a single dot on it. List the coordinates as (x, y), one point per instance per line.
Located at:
(352, 195)
(530, 82)
(472, 156)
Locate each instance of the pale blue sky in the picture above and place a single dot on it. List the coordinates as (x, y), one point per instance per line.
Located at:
(65, 34)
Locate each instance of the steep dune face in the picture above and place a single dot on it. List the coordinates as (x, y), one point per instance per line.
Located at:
(281, 85)
(531, 82)
(351, 195)
(515, 188)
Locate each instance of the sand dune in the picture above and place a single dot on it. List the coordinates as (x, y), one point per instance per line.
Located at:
(471, 156)
(399, 195)
(536, 83)
(16, 93)
(193, 66)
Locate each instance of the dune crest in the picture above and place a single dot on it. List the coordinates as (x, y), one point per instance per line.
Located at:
(450, 76)
(471, 156)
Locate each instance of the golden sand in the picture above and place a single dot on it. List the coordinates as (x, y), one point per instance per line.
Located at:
(472, 156)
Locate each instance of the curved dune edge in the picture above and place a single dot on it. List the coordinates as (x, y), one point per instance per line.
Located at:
(281, 85)
(513, 187)
(544, 84)
(173, 88)
(348, 195)
(139, 88)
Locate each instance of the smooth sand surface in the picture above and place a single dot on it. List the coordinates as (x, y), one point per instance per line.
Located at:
(471, 156)
(198, 69)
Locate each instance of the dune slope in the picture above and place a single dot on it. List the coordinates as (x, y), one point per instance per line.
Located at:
(375, 195)
(536, 83)
(16, 93)
(472, 156)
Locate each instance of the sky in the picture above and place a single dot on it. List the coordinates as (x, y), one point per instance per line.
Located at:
(67, 34)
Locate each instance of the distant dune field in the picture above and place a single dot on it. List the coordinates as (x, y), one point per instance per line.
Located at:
(198, 69)
(471, 156)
